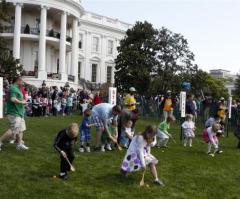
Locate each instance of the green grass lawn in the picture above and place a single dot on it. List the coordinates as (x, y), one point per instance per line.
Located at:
(187, 172)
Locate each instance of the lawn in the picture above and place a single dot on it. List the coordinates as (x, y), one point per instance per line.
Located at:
(187, 172)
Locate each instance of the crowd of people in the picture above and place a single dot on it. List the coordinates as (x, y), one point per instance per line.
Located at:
(115, 124)
(45, 101)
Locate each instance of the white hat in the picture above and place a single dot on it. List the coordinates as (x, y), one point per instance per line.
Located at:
(132, 89)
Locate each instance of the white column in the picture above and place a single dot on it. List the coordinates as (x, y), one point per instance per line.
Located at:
(88, 50)
(17, 31)
(62, 51)
(75, 41)
(42, 71)
(103, 68)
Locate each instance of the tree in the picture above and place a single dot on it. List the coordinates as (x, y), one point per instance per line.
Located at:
(237, 87)
(9, 67)
(201, 81)
(175, 60)
(137, 58)
(153, 61)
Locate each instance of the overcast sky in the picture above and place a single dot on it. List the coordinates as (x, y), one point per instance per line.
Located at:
(212, 27)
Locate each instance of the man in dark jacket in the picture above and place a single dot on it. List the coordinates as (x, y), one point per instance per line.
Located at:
(190, 107)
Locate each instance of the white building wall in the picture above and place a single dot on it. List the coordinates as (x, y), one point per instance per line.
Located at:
(91, 25)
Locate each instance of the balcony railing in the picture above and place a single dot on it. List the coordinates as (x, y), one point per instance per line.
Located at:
(6, 29)
(71, 78)
(28, 30)
(53, 76)
(29, 73)
(33, 31)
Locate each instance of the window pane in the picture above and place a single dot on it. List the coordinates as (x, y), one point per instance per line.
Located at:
(110, 47)
(80, 41)
(109, 74)
(79, 70)
(94, 72)
(95, 44)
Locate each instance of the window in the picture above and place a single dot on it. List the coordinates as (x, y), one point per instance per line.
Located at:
(36, 58)
(79, 70)
(80, 41)
(109, 74)
(94, 72)
(57, 66)
(110, 47)
(95, 45)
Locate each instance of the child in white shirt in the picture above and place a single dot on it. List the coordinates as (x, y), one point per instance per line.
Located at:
(127, 134)
(139, 154)
(188, 130)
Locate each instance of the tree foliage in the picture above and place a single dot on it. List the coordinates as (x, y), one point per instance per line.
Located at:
(237, 87)
(9, 67)
(154, 61)
(136, 58)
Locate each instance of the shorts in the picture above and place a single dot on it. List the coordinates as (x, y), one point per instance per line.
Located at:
(98, 122)
(161, 134)
(85, 136)
(16, 124)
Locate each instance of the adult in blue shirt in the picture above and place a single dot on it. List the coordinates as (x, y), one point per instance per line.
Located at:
(101, 114)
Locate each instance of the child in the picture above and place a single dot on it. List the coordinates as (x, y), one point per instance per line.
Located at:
(85, 133)
(127, 134)
(139, 154)
(64, 104)
(106, 141)
(188, 130)
(162, 131)
(69, 104)
(64, 143)
(210, 137)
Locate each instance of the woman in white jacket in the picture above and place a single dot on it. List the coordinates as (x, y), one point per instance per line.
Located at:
(139, 154)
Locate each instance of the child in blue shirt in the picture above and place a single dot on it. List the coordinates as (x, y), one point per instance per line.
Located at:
(85, 133)
(69, 104)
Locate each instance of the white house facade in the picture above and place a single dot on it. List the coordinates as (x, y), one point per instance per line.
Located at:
(58, 41)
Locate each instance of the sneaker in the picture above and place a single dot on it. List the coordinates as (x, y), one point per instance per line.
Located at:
(64, 177)
(108, 147)
(88, 149)
(219, 152)
(103, 148)
(22, 147)
(211, 154)
(159, 182)
(11, 141)
(81, 149)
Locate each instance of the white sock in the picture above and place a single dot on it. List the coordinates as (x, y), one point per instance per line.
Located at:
(62, 173)
(209, 147)
(190, 142)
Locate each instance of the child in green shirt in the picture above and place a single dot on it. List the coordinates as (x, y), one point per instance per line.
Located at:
(162, 131)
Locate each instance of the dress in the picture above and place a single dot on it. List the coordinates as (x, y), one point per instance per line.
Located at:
(188, 127)
(138, 155)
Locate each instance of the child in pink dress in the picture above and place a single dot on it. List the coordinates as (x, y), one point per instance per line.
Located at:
(210, 137)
